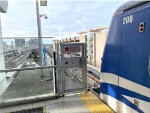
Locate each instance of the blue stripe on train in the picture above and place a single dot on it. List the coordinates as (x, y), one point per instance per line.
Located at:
(117, 92)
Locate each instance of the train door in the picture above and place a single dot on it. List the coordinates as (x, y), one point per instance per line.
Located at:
(134, 80)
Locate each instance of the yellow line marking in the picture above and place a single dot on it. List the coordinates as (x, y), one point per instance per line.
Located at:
(94, 104)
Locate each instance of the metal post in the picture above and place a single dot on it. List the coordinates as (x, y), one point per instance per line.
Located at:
(39, 34)
(62, 72)
(58, 70)
(85, 53)
(94, 50)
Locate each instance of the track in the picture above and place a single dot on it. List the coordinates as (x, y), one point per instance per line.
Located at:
(93, 81)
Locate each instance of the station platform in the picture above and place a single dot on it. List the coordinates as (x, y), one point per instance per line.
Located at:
(53, 89)
(73, 103)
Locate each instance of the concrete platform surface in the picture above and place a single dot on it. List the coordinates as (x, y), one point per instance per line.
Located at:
(75, 103)
(29, 83)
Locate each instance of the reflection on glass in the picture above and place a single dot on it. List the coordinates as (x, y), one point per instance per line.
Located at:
(16, 51)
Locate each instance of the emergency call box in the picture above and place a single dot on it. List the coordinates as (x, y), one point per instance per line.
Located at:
(73, 55)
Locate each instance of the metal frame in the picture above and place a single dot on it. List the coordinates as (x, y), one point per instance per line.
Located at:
(62, 67)
(31, 99)
(27, 100)
(58, 69)
(85, 47)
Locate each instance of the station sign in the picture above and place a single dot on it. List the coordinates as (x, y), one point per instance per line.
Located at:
(72, 48)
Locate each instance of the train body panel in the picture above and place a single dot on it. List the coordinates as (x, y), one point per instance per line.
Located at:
(125, 77)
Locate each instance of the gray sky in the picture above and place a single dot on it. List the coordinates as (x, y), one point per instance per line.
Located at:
(64, 16)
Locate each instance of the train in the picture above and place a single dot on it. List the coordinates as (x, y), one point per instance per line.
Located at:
(125, 68)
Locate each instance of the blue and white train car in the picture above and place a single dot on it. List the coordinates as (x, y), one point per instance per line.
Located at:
(125, 71)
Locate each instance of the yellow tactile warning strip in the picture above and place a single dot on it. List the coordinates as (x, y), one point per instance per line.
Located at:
(94, 104)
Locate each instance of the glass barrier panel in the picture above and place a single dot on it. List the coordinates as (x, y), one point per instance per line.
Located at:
(21, 51)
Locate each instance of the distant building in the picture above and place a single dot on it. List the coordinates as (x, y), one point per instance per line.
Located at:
(34, 42)
(19, 42)
(27, 42)
(48, 45)
(4, 44)
(95, 40)
(12, 44)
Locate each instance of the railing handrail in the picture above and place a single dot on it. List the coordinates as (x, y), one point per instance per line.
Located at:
(32, 37)
(29, 68)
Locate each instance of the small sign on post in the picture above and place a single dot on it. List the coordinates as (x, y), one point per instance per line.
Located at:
(72, 49)
(67, 49)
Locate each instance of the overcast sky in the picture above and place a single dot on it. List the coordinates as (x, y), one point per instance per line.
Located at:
(64, 16)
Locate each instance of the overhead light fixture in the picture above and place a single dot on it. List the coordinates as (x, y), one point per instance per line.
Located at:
(43, 2)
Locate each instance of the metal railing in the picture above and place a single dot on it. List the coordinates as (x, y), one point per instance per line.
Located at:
(34, 98)
(30, 68)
